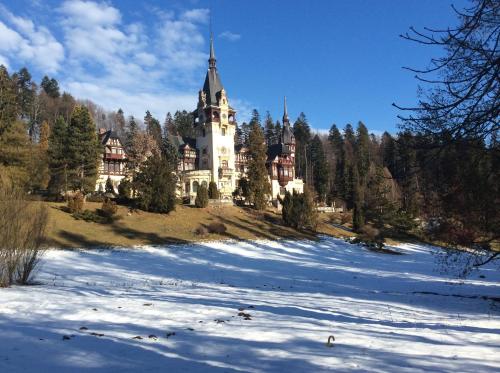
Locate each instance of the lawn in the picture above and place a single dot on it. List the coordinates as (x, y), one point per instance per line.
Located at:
(138, 227)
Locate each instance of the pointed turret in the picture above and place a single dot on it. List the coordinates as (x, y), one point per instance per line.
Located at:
(213, 85)
(287, 136)
(285, 113)
(212, 60)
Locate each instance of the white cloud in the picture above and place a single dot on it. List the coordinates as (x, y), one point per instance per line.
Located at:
(157, 66)
(22, 40)
(231, 36)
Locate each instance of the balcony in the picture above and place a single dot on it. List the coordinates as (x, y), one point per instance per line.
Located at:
(224, 171)
(114, 156)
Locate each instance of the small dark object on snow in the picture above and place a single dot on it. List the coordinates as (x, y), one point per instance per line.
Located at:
(152, 336)
(241, 309)
(119, 307)
(253, 306)
(482, 276)
(94, 309)
(170, 334)
(97, 334)
(190, 329)
(330, 341)
(218, 321)
(84, 328)
(137, 337)
(243, 314)
(247, 318)
(66, 337)
(147, 304)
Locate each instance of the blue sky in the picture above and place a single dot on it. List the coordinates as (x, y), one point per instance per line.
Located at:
(337, 61)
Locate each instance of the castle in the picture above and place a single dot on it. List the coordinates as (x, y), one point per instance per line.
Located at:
(212, 154)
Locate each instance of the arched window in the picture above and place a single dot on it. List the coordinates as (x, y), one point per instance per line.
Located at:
(187, 186)
(195, 187)
(204, 183)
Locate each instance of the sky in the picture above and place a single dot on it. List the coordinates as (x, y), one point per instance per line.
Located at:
(337, 61)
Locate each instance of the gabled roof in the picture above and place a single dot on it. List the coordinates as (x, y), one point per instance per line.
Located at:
(275, 150)
(106, 136)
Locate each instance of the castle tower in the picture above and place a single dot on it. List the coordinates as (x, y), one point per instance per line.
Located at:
(287, 137)
(215, 126)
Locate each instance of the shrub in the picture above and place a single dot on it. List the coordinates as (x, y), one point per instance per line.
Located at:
(299, 211)
(75, 203)
(345, 217)
(218, 228)
(201, 231)
(125, 189)
(109, 186)
(371, 236)
(213, 193)
(87, 215)
(108, 208)
(201, 200)
(96, 197)
(22, 232)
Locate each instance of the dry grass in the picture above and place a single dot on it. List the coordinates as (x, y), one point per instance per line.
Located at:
(139, 227)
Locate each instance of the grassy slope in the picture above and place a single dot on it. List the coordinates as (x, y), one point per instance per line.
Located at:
(139, 227)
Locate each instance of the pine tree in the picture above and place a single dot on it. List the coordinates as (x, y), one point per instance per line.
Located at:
(169, 126)
(213, 193)
(153, 128)
(362, 151)
(277, 131)
(201, 200)
(258, 183)
(184, 123)
(83, 150)
(109, 188)
(269, 130)
(319, 168)
(50, 87)
(120, 123)
(358, 218)
(302, 133)
(337, 144)
(156, 185)
(9, 108)
(58, 157)
(40, 170)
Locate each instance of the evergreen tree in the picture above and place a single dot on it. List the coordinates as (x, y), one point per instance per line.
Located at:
(337, 144)
(213, 193)
(120, 125)
(156, 185)
(25, 92)
(58, 157)
(201, 200)
(362, 150)
(153, 128)
(83, 150)
(184, 123)
(50, 87)
(319, 168)
(269, 130)
(258, 183)
(245, 133)
(358, 218)
(277, 131)
(169, 126)
(9, 108)
(302, 133)
(15, 154)
(40, 163)
(109, 188)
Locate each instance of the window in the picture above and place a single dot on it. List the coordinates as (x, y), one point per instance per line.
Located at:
(204, 133)
(223, 132)
(195, 187)
(224, 164)
(204, 183)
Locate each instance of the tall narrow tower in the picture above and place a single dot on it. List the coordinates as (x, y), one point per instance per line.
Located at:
(215, 125)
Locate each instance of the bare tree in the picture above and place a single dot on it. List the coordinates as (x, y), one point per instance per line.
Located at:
(464, 99)
(22, 232)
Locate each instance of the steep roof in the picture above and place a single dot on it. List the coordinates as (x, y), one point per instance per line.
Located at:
(106, 136)
(213, 84)
(275, 150)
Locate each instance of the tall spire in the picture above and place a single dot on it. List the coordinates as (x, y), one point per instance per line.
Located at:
(285, 113)
(211, 60)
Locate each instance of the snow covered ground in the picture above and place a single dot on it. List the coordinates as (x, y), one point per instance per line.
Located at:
(264, 306)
